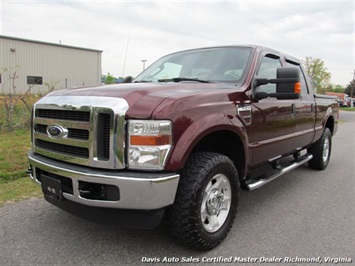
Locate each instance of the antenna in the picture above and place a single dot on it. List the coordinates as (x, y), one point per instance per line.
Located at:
(125, 57)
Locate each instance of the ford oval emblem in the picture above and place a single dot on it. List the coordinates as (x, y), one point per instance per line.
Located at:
(56, 131)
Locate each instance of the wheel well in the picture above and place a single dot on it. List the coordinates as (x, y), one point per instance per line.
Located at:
(330, 124)
(226, 143)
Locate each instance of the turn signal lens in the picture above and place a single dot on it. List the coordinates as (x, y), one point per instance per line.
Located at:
(297, 87)
(150, 140)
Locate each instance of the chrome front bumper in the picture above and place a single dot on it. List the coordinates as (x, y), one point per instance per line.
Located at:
(138, 191)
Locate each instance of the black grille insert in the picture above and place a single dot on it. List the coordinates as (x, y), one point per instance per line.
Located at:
(39, 128)
(63, 149)
(75, 133)
(103, 136)
(63, 114)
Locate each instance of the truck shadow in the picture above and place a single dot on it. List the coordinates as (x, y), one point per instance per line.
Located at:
(84, 239)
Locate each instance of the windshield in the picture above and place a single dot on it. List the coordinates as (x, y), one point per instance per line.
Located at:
(226, 64)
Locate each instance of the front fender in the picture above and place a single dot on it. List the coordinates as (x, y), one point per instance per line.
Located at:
(198, 130)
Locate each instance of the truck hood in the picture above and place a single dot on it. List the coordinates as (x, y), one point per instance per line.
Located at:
(144, 98)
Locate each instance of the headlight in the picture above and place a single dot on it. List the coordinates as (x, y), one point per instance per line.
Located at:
(149, 143)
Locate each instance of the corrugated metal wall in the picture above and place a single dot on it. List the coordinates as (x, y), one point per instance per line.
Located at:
(58, 65)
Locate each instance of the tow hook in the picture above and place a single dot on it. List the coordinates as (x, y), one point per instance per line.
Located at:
(29, 170)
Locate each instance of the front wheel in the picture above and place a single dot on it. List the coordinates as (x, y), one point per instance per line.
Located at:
(321, 151)
(206, 201)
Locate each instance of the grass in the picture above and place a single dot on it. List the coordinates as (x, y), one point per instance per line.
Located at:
(15, 184)
(352, 109)
(13, 154)
(19, 189)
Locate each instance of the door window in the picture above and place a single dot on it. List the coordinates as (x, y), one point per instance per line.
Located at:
(267, 69)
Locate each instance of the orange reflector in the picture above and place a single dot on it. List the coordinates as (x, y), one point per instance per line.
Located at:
(298, 87)
(151, 140)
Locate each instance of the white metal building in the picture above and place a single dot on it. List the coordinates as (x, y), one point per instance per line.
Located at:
(42, 65)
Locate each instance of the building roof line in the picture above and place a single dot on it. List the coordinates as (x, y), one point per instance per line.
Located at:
(48, 43)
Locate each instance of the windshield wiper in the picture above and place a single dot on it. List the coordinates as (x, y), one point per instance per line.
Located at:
(178, 79)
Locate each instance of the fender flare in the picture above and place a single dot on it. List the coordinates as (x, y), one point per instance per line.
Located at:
(328, 114)
(201, 128)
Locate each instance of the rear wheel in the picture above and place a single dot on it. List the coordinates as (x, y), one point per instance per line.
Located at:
(206, 201)
(321, 151)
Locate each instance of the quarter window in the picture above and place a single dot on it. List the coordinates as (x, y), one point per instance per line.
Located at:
(304, 88)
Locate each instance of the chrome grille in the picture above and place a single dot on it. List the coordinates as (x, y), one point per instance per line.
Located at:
(73, 133)
(90, 130)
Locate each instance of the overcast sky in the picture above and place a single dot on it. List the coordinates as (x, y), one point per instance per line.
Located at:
(143, 30)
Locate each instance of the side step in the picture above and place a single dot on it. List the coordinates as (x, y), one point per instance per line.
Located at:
(263, 180)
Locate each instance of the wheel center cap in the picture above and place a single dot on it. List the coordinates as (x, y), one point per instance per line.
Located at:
(214, 202)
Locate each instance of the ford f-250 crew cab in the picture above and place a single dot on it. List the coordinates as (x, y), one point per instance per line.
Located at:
(180, 140)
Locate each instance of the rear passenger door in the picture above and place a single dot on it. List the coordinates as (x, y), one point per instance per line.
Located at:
(273, 124)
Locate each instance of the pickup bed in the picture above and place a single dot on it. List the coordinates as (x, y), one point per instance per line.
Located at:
(180, 140)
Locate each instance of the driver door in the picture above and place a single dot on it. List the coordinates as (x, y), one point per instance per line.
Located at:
(272, 129)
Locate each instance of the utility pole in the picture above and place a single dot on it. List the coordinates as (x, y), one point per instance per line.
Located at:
(352, 89)
(143, 61)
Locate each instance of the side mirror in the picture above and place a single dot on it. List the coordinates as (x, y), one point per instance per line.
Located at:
(288, 85)
(288, 80)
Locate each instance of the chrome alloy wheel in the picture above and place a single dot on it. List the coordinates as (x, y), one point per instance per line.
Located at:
(216, 203)
(326, 149)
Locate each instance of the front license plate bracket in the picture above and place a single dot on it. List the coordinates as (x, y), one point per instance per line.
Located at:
(51, 187)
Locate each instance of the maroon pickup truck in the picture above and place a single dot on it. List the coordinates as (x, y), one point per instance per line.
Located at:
(180, 140)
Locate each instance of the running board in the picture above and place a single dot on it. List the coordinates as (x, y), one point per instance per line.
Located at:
(263, 180)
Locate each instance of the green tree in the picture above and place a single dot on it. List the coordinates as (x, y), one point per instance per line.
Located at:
(331, 88)
(110, 79)
(350, 89)
(316, 70)
(338, 88)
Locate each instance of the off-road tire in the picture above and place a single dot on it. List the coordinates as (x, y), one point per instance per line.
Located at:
(321, 151)
(185, 216)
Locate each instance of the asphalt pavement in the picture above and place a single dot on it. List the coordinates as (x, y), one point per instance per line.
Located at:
(303, 217)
